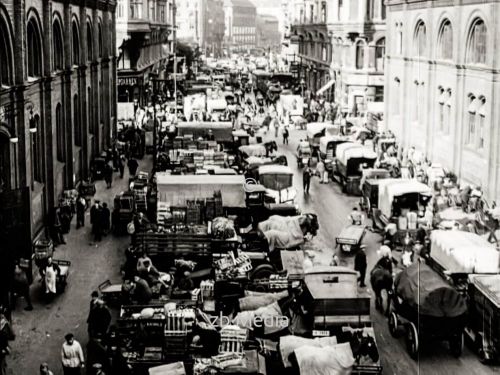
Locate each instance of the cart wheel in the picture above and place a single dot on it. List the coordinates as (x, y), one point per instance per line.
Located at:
(457, 345)
(262, 271)
(393, 324)
(412, 340)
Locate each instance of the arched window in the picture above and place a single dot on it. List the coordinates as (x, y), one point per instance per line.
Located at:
(60, 136)
(380, 55)
(421, 39)
(34, 49)
(6, 62)
(445, 50)
(75, 44)
(99, 39)
(476, 49)
(360, 55)
(90, 43)
(4, 161)
(76, 122)
(57, 46)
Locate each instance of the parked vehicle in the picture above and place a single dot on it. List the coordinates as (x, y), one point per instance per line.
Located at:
(278, 180)
(370, 180)
(304, 154)
(352, 158)
(428, 309)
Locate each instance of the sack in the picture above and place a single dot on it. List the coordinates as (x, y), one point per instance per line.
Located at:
(131, 228)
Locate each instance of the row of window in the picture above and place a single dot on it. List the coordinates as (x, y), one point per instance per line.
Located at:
(243, 30)
(476, 41)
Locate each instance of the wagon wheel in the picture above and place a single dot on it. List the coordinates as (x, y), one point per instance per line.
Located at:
(457, 344)
(263, 271)
(393, 323)
(412, 340)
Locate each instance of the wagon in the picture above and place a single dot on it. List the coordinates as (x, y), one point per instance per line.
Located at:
(352, 158)
(483, 326)
(316, 130)
(369, 183)
(427, 308)
(278, 180)
(350, 238)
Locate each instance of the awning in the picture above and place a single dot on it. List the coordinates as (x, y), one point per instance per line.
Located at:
(326, 87)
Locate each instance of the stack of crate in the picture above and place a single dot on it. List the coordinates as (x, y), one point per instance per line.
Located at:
(162, 213)
(178, 326)
(219, 159)
(232, 339)
(198, 159)
(209, 209)
(193, 212)
(219, 210)
(209, 157)
(177, 142)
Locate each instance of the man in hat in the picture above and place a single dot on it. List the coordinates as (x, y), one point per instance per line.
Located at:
(360, 265)
(96, 220)
(98, 369)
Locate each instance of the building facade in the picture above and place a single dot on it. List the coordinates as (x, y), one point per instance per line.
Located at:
(268, 33)
(442, 85)
(57, 108)
(240, 25)
(349, 37)
(142, 37)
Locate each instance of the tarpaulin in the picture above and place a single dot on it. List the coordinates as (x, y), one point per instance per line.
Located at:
(330, 360)
(289, 343)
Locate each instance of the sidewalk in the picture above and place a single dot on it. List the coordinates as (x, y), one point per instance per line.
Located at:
(40, 333)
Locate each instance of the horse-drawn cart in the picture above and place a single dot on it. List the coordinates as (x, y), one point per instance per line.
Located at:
(427, 308)
(352, 158)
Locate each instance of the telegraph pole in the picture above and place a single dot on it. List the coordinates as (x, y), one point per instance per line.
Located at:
(174, 21)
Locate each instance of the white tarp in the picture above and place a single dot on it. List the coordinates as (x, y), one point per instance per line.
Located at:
(464, 252)
(291, 104)
(176, 189)
(282, 232)
(390, 188)
(347, 151)
(125, 111)
(288, 344)
(216, 105)
(330, 360)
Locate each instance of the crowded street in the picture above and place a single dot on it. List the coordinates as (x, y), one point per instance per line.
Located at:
(258, 187)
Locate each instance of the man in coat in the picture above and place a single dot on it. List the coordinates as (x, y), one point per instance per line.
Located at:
(105, 218)
(360, 265)
(81, 206)
(306, 178)
(96, 220)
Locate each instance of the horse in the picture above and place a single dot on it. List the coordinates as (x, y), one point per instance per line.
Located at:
(334, 359)
(381, 279)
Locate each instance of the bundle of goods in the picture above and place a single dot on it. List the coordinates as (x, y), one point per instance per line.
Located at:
(223, 228)
(232, 339)
(231, 267)
(464, 252)
(179, 323)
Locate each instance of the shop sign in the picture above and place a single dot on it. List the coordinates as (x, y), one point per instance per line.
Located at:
(128, 81)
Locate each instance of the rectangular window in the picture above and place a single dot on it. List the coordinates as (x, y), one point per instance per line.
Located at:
(471, 128)
(480, 132)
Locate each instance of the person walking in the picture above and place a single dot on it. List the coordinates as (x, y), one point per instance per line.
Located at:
(21, 287)
(121, 165)
(276, 127)
(285, 135)
(108, 175)
(105, 218)
(320, 171)
(99, 320)
(96, 220)
(360, 265)
(72, 356)
(81, 206)
(132, 167)
(306, 179)
(50, 273)
(57, 228)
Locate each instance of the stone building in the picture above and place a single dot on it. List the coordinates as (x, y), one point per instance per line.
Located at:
(268, 33)
(241, 23)
(142, 37)
(343, 44)
(442, 85)
(57, 107)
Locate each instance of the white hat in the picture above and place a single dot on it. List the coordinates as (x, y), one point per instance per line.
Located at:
(384, 251)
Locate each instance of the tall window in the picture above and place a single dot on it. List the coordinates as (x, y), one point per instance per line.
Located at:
(421, 40)
(37, 144)
(57, 46)
(360, 55)
(323, 12)
(99, 39)
(476, 49)
(90, 43)
(311, 15)
(60, 134)
(445, 50)
(471, 120)
(6, 67)
(135, 8)
(76, 122)
(34, 49)
(75, 44)
(481, 126)
(441, 103)
(90, 118)
(380, 55)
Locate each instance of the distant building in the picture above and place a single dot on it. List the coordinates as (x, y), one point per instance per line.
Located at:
(142, 39)
(268, 34)
(442, 90)
(241, 23)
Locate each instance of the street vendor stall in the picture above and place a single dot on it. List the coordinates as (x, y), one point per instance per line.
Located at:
(222, 131)
(352, 158)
